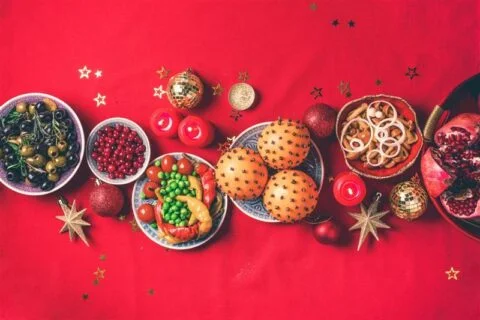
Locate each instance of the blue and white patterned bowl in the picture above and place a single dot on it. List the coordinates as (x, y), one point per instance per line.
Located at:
(21, 187)
(153, 233)
(313, 166)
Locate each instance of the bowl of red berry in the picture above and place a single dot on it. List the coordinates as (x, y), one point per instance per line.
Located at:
(118, 151)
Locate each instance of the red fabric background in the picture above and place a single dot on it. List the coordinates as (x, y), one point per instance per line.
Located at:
(251, 270)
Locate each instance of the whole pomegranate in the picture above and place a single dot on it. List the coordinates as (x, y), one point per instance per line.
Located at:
(451, 168)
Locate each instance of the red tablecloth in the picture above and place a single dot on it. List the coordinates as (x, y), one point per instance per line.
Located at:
(251, 270)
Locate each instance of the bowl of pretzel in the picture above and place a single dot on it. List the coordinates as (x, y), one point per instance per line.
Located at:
(379, 136)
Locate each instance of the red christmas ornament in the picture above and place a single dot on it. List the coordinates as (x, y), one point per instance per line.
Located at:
(106, 200)
(349, 189)
(327, 232)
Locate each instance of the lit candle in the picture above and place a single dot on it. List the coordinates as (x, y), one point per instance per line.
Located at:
(349, 189)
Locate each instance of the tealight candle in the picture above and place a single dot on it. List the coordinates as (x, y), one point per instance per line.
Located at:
(349, 189)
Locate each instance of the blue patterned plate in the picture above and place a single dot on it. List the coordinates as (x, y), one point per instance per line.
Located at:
(152, 233)
(313, 166)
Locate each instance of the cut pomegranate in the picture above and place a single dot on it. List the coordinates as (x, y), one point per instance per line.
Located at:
(451, 169)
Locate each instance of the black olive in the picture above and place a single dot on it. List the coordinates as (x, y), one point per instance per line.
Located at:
(73, 148)
(35, 178)
(40, 106)
(41, 149)
(60, 114)
(10, 130)
(26, 126)
(13, 176)
(47, 185)
(50, 141)
(7, 149)
(45, 116)
(72, 159)
(69, 124)
(11, 157)
(6, 164)
(72, 136)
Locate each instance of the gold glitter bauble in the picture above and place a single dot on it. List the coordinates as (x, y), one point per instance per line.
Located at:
(185, 90)
(408, 200)
(241, 96)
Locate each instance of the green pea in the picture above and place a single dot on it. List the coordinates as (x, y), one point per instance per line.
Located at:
(185, 178)
(162, 192)
(178, 191)
(194, 174)
(183, 211)
(187, 184)
(178, 220)
(185, 191)
(158, 163)
(174, 216)
(168, 199)
(174, 167)
(174, 185)
(171, 194)
(167, 175)
(167, 216)
(171, 221)
(193, 193)
(178, 176)
(181, 184)
(153, 225)
(142, 195)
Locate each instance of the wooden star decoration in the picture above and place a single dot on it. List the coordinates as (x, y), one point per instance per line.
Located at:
(163, 72)
(85, 296)
(159, 92)
(103, 257)
(344, 88)
(98, 73)
(134, 225)
(412, 73)
(217, 89)
(368, 220)
(335, 22)
(99, 273)
(378, 82)
(351, 24)
(224, 146)
(316, 92)
(73, 222)
(84, 72)
(100, 100)
(313, 6)
(235, 115)
(452, 274)
(243, 76)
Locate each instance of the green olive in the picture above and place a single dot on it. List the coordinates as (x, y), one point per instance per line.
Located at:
(62, 145)
(53, 177)
(31, 108)
(50, 167)
(21, 107)
(1, 154)
(53, 152)
(27, 151)
(60, 161)
(37, 160)
(50, 105)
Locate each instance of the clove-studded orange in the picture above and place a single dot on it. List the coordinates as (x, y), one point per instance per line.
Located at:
(290, 195)
(241, 174)
(284, 144)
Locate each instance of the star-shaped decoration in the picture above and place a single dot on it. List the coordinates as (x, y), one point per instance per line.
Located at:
(84, 72)
(351, 24)
(452, 274)
(151, 291)
(330, 179)
(122, 217)
(378, 82)
(235, 115)
(98, 73)
(224, 146)
(134, 225)
(100, 100)
(163, 72)
(412, 73)
(368, 220)
(344, 88)
(316, 92)
(335, 22)
(159, 92)
(85, 296)
(73, 222)
(103, 257)
(96, 282)
(313, 6)
(99, 273)
(217, 89)
(243, 76)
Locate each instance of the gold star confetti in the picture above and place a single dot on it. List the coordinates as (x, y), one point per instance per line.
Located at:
(98, 73)
(217, 89)
(378, 82)
(335, 22)
(412, 73)
(122, 217)
(368, 220)
(100, 100)
(235, 115)
(95, 282)
(313, 6)
(243, 76)
(73, 222)
(99, 273)
(224, 146)
(452, 274)
(163, 72)
(159, 92)
(103, 257)
(344, 88)
(84, 72)
(151, 291)
(85, 296)
(316, 92)
(134, 225)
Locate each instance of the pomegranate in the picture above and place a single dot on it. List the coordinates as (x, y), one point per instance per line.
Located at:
(451, 168)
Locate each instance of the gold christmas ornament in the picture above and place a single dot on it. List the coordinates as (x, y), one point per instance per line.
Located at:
(185, 90)
(409, 199)
(241, 96)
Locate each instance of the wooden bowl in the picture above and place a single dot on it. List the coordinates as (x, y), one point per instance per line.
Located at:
(404, 109)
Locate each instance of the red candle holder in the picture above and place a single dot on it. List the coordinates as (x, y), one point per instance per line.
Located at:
(349, 189)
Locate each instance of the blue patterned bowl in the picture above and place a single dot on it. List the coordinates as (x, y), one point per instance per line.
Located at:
(21, 187)
(313, 166)
(153, 233)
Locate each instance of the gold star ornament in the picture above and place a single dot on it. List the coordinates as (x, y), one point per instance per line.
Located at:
(217, 89)
(163, 72)
(452, 274)
(368, 220)
(73, 222)
(99, 273)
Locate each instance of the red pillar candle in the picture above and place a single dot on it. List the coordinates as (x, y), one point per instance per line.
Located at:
(349, 189)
